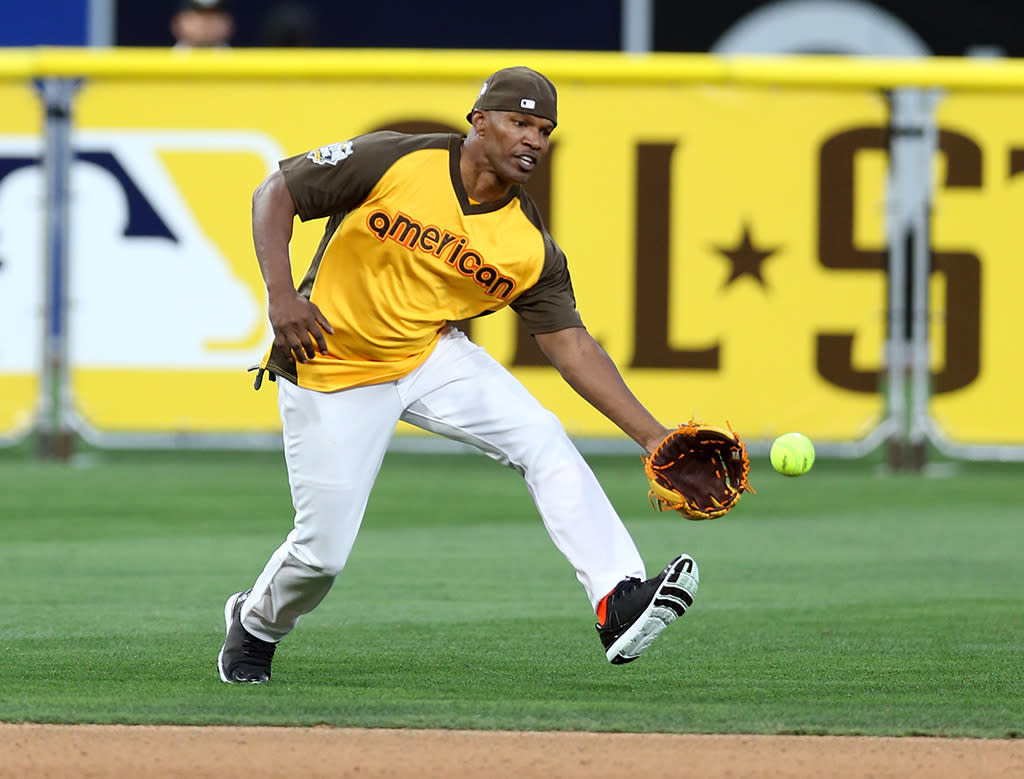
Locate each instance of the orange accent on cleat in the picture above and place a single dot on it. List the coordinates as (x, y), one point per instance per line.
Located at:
(602, 610)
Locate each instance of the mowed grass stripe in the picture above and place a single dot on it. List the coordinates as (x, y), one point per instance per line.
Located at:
(846, 601)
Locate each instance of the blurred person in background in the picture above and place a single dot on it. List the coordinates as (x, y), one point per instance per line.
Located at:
(202, 23)
(288, 25)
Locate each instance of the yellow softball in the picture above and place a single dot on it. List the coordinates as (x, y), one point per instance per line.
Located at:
(792, 454)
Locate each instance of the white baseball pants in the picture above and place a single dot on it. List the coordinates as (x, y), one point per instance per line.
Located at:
(335, 442)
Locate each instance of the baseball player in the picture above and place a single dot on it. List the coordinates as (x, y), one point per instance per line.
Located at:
(423, 230)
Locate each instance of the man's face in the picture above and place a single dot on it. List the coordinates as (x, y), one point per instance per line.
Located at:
(515, 143)
(202, 28)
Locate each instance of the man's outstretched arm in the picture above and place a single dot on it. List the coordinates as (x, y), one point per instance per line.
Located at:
(588, 369)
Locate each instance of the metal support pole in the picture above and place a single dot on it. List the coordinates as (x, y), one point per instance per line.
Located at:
(896, 347)
(102, 15)
(637, 26)
(921, 272)
(911, 148)
(53, 423)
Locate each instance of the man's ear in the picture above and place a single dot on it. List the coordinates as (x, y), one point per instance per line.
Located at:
(479, 121)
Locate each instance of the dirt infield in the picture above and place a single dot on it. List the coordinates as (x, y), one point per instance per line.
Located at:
(226, 752)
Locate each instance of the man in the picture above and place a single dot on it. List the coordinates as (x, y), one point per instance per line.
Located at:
(424, 230)
(202, 24)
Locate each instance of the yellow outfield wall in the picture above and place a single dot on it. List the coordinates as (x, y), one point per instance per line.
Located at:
(977, 290)
(21, 278)
(725, 230)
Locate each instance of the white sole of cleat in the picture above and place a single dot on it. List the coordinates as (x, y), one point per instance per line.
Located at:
(229, 607)
(670, 601)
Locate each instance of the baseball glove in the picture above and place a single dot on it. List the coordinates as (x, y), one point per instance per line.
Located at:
(698, 470)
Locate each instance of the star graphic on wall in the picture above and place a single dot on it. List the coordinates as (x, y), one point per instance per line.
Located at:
(746, 258)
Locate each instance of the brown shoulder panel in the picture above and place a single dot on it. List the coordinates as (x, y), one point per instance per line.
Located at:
(550, 304)
(335, 178)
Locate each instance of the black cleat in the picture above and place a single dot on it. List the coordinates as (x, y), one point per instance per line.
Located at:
(243, 658)
(637, 611)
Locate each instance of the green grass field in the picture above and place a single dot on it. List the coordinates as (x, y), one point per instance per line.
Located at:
(846, 601)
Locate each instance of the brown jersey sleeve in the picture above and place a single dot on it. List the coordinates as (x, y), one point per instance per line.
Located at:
(335, 178)
(549, 305)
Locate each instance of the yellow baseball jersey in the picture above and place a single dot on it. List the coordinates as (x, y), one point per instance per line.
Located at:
(405, 252)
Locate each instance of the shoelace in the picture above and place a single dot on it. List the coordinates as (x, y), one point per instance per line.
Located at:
(629, 584)
(257, 649)
(627, 588)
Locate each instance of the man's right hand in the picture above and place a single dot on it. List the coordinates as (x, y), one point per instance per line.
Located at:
(297, 323)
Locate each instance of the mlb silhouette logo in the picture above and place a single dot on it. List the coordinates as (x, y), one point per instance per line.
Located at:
(147, 285)
(161, 275)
